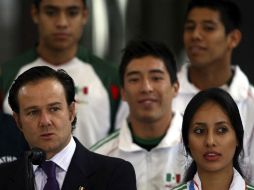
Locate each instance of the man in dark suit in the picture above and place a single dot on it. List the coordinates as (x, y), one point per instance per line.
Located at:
(43, 105)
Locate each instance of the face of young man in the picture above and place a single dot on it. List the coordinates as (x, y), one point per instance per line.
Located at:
(45, 118)
(205, 38)
(60, 23)
(212, 139)
(148, 89)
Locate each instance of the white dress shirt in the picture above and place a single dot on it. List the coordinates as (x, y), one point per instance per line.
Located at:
(62, 160)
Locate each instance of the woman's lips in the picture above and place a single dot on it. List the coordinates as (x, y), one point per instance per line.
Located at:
(212, 156)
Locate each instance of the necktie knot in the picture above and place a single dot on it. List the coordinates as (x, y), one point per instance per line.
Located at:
(49, 168)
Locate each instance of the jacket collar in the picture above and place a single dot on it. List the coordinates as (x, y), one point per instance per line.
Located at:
(238, 88)
(172, 137)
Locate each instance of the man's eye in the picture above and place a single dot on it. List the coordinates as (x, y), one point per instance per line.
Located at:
(189, 27)
(157, 78)
(32, 113)
(50, 12)
(73, 13)
(133, 80)
(208, 28)
(54, 109)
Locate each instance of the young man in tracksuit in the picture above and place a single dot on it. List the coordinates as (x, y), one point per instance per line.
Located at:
(211, 33)
(150, 138)
(60, 26)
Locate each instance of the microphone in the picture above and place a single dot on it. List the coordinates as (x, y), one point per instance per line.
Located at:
(34, 156)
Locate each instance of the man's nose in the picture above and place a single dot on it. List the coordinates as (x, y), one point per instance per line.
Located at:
(147, 86)
(44, 119)
(197, 33)
(62, 20)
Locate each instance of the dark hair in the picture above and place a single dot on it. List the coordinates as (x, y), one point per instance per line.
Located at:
(37, 3)
(227, 103)
(38, 73)
(230, 14)
(140, 48)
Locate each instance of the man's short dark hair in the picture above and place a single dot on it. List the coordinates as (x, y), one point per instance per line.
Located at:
(141, 48)
(230, 13)
(37, 3)
(39, 73)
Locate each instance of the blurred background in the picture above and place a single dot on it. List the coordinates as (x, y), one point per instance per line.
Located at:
(112, 23)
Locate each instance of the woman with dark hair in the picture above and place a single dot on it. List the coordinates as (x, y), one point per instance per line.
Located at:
(212, 133)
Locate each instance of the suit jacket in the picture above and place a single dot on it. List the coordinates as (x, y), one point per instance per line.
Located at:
(87, 169)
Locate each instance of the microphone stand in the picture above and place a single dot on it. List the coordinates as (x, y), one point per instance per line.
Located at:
(35, 156)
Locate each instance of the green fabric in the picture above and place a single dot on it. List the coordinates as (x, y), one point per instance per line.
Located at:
(181, 187)
(105, 140)
(250, 187)
(147, 144)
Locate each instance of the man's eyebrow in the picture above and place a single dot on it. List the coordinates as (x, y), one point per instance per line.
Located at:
(132, 73)
(55, 104)
(30, 108)
(208, 21)
(50, 7)
(36, 107)
(150, 71)
(157, 71)
(53, 7)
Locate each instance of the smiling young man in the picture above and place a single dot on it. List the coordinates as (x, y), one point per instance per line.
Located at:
(150, 138)
(60, 26)
(211, 33)
(43, 105)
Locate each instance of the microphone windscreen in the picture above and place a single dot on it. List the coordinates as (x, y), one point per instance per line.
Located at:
(36, 156)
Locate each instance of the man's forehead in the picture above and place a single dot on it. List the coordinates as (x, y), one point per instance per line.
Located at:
(47, 82)
(62, 3)
(45, 90)
(203, 13)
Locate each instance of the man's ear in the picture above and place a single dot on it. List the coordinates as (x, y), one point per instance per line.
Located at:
(17, 119)
(85, 16)
(175, 88)
(235, 38)
(34, 14)
(72, 110)
(123, 94)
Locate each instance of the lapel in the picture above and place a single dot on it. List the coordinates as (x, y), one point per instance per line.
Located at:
(80, 170)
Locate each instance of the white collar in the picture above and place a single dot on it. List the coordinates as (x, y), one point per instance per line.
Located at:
(66, 65)
(238, 88)
(238, 182)
(172, 137)
(63, 158)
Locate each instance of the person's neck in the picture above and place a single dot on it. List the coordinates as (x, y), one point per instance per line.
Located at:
(150, 129)
(56, 57)
(216, 180)
(210, 76)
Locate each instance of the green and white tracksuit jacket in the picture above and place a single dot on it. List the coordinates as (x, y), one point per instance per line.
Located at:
(157, 169)
(97, 91)
(238, 183)
(243, 93)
